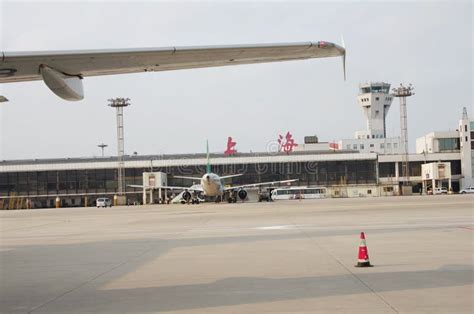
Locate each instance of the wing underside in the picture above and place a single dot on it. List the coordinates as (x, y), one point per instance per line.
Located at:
(166, 187)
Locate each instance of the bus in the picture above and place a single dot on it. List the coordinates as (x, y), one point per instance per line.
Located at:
(298, 192)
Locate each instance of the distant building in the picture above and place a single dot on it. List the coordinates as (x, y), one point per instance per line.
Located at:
(459, 141)
(466, 140)
(369, 165)
(438, 142)
(375, 100)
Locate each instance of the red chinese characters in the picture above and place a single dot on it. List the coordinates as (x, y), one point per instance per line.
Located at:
(230, 147)
(287, 143)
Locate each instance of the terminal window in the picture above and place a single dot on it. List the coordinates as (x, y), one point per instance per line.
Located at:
(448, 144)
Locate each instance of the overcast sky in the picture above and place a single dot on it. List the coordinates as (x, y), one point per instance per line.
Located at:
(429, 44)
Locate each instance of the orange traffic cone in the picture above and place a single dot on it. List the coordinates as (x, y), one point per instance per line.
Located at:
(363, 260)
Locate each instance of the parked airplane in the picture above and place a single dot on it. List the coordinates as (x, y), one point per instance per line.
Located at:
(213, 185)
(63, 71)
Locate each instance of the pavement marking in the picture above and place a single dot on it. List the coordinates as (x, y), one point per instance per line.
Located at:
(280, 227)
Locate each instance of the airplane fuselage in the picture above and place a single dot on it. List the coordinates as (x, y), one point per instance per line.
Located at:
(212, 184)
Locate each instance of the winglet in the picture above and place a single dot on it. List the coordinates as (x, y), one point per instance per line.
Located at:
(343, 57)
(208, 165)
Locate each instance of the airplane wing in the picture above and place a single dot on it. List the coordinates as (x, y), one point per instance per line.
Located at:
(258, 184)
(188, 178)
(231, 176)
(62, 71)
(166, 187)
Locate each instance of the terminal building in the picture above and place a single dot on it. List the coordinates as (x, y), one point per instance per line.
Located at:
(345, 171)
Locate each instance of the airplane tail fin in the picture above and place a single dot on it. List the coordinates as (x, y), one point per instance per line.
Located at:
(208, 165)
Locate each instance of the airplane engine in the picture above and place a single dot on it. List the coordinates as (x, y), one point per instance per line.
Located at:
(68, 87)
(186, 196)
(242, 194)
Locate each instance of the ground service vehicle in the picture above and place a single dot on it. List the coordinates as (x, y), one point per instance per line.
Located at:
(103, 202)
(468, 190)
(298, 192)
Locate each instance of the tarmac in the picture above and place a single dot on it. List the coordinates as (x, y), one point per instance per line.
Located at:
(286, 256)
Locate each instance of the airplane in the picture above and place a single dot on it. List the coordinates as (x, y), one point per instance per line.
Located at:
(211, 184)
(63, 71)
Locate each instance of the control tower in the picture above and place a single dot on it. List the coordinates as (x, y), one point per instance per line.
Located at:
(375, 101)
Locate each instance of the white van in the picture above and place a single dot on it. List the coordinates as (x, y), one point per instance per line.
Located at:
(440, 191)
(103, 202)
(467, 190)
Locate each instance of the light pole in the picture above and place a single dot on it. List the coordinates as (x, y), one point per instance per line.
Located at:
(403, 92)
(102, 146)
(119, 104)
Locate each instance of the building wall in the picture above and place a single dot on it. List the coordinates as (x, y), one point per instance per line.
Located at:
(385, 146)
(466, 138)
(438, 142)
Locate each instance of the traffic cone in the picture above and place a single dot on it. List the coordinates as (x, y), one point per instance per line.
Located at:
(363, 259)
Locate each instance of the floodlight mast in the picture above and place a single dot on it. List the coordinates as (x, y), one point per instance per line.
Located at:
(403, 92)
(102, 146)
(119, 104)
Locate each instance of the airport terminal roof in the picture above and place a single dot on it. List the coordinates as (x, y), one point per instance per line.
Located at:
(147, 161)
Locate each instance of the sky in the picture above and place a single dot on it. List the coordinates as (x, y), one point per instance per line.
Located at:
(426, 43)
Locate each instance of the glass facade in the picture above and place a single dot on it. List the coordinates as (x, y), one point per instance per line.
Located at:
(97, 181)
(448, 144)
(387, 169)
